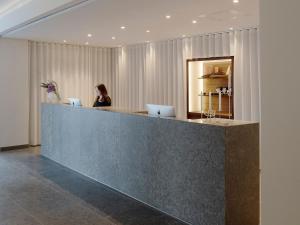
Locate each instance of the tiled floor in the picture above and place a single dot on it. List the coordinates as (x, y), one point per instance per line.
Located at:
(38, 191)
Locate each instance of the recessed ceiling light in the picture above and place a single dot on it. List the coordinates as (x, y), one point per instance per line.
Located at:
(230, 28)
(65, 41)
(168, 16)
(194, 21)
(123, 27)
(236, 1)
(89, 35)
(148, 31)
(86, 43)
(114, 38)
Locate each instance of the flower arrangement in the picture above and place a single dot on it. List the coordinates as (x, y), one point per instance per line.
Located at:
(52, 92)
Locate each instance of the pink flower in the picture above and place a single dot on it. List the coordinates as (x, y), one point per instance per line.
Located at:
(51, 88)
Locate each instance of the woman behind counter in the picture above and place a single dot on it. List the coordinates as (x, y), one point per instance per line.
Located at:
(102, 98)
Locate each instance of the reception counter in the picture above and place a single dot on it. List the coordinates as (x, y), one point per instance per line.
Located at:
(202, 172)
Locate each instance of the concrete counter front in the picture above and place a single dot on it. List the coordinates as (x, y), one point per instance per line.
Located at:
(203, 172)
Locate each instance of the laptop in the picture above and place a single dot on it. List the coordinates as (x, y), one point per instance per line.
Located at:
(74, 102)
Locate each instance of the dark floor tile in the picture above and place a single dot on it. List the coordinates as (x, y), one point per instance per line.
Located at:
(99, 196)
(69, 180)
(13, 214)
(54, 195)
(20, 219)
(75, 214)
(141, 215)
(42, 199)
(8, 208)
(40, 164)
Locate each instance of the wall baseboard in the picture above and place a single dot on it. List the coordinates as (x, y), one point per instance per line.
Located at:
(18, 147)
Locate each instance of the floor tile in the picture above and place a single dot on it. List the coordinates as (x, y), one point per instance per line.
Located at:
(20, 219)
(37, 191)
(74, 215)
(8, 208)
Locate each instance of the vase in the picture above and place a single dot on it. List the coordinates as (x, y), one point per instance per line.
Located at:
(52, 97)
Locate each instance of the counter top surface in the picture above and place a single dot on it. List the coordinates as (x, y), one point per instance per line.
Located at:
(212, 122)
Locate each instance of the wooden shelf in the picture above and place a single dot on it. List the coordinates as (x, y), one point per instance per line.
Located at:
(213, 76)
(218, 114)
(209, 74)
(214, 95)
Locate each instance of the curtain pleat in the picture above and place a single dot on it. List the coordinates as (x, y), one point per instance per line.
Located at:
(162, 66)
(144, 73)
(76, 69)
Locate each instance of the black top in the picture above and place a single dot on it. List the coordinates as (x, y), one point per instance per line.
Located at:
(105, 101)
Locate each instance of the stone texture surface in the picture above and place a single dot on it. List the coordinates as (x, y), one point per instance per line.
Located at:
(175, 166)
(242, 177)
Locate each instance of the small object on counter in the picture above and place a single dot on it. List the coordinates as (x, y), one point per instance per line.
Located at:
(210, 101)
(220, 101)
(229, 92)
(52, 91)
(201, 102)
(224, 90)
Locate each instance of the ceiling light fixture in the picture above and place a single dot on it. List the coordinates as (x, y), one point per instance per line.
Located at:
(114, 38)
(123, 27)
(236, 1)
(230, 28)
(148, 31)
(65, 41)
(86, 43)
(194, 21)
(89, 35)
(168, 17)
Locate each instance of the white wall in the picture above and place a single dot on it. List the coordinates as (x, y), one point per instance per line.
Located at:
(14, 92)
(280, 111)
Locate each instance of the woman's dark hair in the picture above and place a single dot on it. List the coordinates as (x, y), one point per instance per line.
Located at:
(102, 89)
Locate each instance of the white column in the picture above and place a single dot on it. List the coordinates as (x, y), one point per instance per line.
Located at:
(280, 110)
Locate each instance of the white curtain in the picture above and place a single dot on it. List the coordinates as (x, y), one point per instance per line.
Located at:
(144, 73)
(152, 73)
(156, 72)
(76, 69)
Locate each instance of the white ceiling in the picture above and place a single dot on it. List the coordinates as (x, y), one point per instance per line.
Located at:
(16, 12)
(103, 19)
